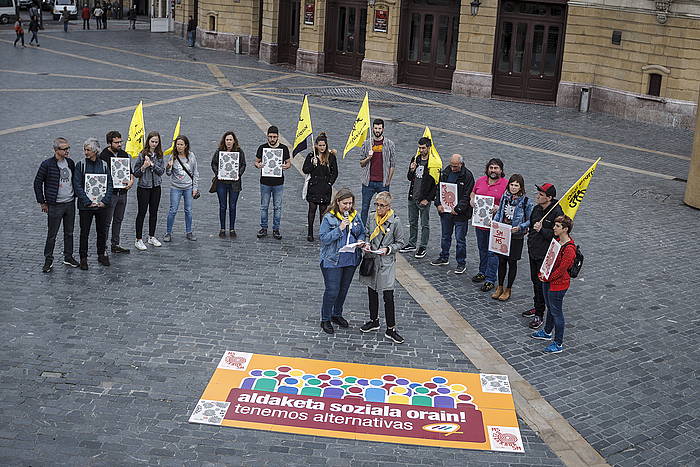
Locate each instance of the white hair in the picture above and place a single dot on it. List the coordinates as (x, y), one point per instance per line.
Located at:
(92, 144)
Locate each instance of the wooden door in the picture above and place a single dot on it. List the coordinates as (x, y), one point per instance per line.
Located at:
(346, 25)
(288, 31)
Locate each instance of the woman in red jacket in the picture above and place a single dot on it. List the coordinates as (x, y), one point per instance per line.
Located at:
(556, 285)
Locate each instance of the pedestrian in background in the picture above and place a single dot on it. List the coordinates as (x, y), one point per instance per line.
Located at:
(89, 209)
(85, 15)
(132, 17)
(117, 207)
(53, 189)
(228, 191)
(184, 184)
(65, 18)
(191, 31)
(106, 8)
(321, 166)
(34, 29)
(98, 12)
(514, 209)
(19, 31)
(149, 169)
(340, 227)
(387, 238)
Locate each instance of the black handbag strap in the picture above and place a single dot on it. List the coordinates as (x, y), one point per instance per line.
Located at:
(177, 157)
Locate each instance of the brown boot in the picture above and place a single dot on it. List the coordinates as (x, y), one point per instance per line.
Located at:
(497, 293)
(505, 295)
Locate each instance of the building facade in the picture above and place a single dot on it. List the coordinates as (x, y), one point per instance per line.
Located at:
(638, 59)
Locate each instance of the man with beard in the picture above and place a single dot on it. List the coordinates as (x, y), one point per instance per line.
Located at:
(378, 160)
(492, 184)
(117, 207)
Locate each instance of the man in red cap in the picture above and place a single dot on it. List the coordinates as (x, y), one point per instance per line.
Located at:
(538, 239)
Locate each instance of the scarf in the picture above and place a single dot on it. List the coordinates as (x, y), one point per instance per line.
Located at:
(351, 215)
(380, 224)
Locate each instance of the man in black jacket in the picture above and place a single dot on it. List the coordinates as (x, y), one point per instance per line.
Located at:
(538, 239)
(53, 188)
(458, 219)
(119, 195)
(420, 194)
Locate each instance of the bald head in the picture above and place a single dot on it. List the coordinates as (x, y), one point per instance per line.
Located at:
(456, 162)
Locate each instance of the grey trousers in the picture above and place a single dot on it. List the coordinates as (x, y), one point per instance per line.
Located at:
(116, 214)
(415, 211)
(60, 213)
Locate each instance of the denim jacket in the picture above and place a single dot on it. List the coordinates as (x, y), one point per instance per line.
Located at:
(332, 238)
(521, 214)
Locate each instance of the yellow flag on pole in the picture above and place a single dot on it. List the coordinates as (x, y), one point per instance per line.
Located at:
(303, 128)
(434, 160)
(176, 133)
(571, 200)
(360, 129)
(137, 132)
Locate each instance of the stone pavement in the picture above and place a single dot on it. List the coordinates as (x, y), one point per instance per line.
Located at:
(103, 367)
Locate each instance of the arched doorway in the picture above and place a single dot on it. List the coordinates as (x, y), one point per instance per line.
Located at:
(346, 25)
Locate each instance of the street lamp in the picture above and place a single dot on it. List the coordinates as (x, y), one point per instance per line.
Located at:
(475, 7)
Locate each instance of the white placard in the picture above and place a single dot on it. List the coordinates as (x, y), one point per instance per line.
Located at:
(482, 211)
(272, 162)
(95, 186)
(448, 196)
(550, 258)
(499, 238)
(121, 173)
(228, 165)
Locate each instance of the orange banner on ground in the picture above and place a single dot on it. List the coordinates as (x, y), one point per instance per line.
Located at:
(358, 401)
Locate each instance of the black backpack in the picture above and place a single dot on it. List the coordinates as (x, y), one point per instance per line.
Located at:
(575, 268)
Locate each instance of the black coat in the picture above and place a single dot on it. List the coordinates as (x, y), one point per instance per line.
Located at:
(428, 186)
(237, 186)
(323, 177)
(538, 242)
(47, 178)
(465, 185)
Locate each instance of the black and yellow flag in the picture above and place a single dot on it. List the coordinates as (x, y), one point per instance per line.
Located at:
(360, 129)
(303, 128)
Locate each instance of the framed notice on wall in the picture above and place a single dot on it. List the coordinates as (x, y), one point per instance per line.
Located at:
(309, 11)
(381, 18)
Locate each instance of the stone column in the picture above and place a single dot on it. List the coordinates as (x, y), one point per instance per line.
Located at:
(472, 76)
(310, 55)
(268, 41)
(692, 188)
(380, 65)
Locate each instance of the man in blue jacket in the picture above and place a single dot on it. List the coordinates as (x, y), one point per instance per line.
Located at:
(53, 188)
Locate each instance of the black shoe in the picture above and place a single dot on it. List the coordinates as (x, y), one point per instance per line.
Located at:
(478, 278)
(394, 336)
(340, 321)
(440, 262)
(487, 286)
(222, 233)
(70, 261)
(83, 264)
(262, 233)
(103, 260)
(370, 326)
(529, 313)
(48, 265)
(327, 328)
(422, 251)
(309, 238)
(535, 323)
(461, 269)
(277, 234)
(407, 249)
(119, 249)
(232, 233)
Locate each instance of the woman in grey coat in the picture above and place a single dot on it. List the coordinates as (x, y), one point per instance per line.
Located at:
(387, 237)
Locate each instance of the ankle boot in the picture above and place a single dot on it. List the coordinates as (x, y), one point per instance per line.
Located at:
(505, 295)
(497, 293)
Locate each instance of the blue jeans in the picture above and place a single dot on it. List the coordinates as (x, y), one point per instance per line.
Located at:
(227, 196)
(488, 262)
(555, 312)
(175, 196)
(367, 194)
(65, 26)
(337, 281)
(449, 224)
(190, 38)
(276, 193)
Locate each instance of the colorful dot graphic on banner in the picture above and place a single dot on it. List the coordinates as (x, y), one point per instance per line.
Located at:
(437, 392)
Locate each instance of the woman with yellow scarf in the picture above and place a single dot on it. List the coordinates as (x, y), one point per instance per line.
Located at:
(386, 239)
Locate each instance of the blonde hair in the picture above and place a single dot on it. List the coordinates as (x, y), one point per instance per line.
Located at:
(384, 196)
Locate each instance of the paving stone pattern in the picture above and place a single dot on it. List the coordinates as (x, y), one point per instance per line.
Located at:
(104, 367)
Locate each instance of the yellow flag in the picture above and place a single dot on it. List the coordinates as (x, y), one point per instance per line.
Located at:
(176, 133)
(137, 132)
(434, 160)
(303, 128)
(571, 200)
(360, 129)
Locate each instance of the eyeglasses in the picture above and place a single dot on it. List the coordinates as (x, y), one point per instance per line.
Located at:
(380, 205)
(64, 149)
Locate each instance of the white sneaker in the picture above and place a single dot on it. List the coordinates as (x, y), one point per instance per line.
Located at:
(140, 245)
(153, 241)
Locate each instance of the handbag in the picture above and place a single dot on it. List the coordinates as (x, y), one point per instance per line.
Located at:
(194, 195)
(367, 264)
(214, 184)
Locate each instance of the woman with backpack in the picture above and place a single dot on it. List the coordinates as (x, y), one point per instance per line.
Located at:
(555, 286)
(514, 209)
(182, 168)
(322, 168)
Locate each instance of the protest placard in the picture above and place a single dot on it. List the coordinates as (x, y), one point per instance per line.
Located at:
(550, 258)
(272, 162)
(228, 165)
(121, 173)
(499, 238)
(482, 211)
(448, 196)
(95, 186)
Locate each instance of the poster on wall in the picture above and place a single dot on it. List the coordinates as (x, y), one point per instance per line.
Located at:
(360, 401)
(381, 18)
(309, 11)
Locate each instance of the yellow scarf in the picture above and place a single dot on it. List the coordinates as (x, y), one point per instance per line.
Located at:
(351, 216)
(380, 222)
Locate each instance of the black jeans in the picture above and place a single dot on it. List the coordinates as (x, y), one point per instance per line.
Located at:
(538, 298)
(19, 36)
(86, 22)
(389, 311)
(508, 265)
(60, 213)
(116, 213)
(101, 224)
(148, 200)
(312, 214)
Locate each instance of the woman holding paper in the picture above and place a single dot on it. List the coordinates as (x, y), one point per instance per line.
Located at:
(228, 183)
(149, 169)
(340, 227)
(184, 176)
(322, 168)
(555, 286)
(385, 240)
(514, 209)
